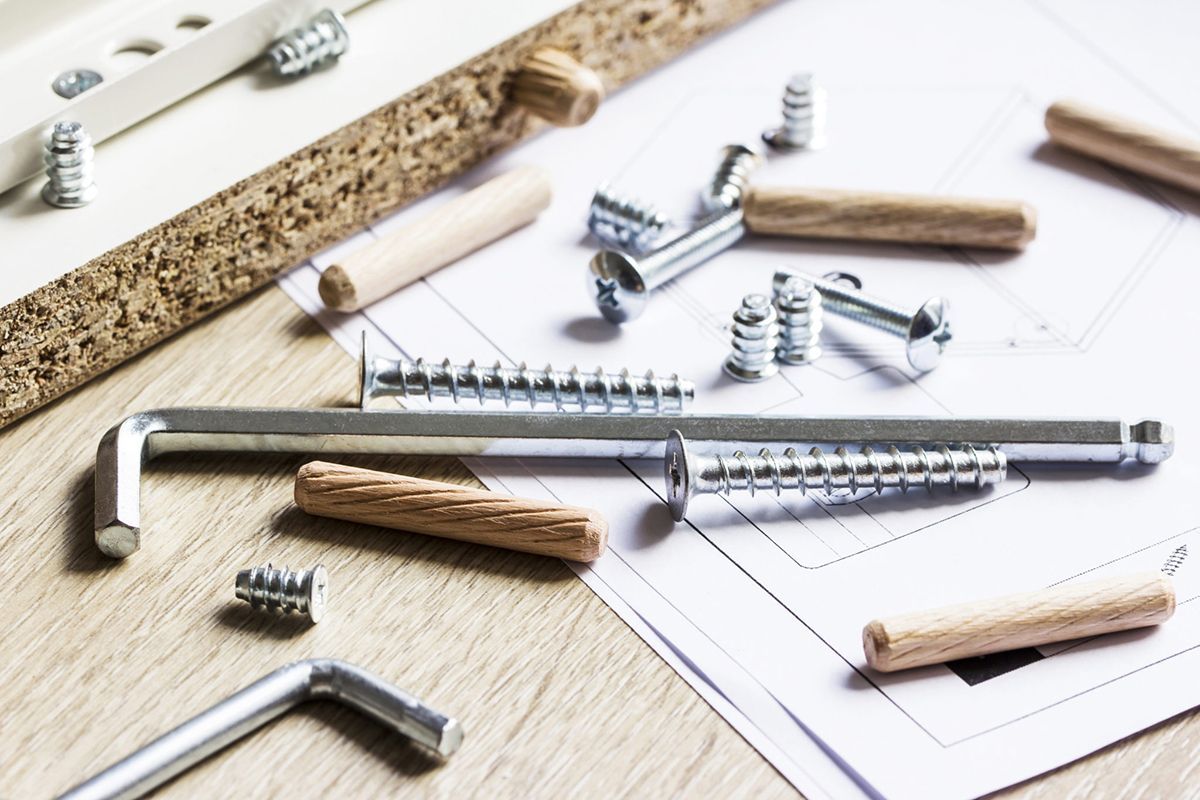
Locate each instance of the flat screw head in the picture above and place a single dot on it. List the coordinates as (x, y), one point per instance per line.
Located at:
(617, 286)
(318, 590)
(366, 374)
(677, 472)
(928, 334)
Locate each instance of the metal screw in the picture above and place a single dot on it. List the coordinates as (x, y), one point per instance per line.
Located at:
(69, 161)
(282, 589)
(624, 221)
(621, 283)
(803, 116)
(571, 389)
(731, 177)
(755, 337)
(798, 304)
(75, 82)
(322, 39)
(687, 474)
(926, 332)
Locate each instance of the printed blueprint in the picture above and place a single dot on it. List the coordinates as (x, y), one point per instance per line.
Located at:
(759, 601)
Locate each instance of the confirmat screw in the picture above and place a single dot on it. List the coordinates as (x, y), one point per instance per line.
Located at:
(803, 116)
(623, 221)
(871, 470)
(755, 338)
(284, 590)
(925, 332)
(798, 304)
(324, 38)
(69, 162)
(572, 389)
(731, 177)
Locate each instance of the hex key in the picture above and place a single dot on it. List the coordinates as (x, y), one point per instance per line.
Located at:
(147, 434)
(272, 696)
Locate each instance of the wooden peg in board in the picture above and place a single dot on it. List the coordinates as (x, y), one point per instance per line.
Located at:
(557, 88)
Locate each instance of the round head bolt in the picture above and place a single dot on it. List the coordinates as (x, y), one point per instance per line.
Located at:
(617, 286)
(677, 471)
(928, 334)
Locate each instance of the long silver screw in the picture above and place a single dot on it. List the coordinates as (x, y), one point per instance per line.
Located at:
(69, 161)
(285, 590)
(798, 304)
(755, 338)
(622, 221)
(572, 389)
(731, 177)
(687, 474)
(803, 116)
(620, 283)
(322, 39)
(926, 332)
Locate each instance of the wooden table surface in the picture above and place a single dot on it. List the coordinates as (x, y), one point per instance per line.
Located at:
(556, 695)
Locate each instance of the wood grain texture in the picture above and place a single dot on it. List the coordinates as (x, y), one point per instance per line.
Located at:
(558, 697)
(557, 88)
(128, 299)
(449, 232)
(880, 216)
(454, 512)
(1125, 142)
(1056, 614)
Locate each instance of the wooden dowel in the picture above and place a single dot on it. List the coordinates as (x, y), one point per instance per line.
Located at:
(450, 232)
(1126, 143)
(557, 88)
(1070, 611)
(450, 511)
(879, 216)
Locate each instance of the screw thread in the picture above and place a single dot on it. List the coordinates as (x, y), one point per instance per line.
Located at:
(800, 310)
(803, 114)
(865, 470)
(624, 221)
(283, 590)
(608, 392)
(846, 302)
(714, 233)
(731, 177)
(302, 50)
(69, 158)
(755, 338)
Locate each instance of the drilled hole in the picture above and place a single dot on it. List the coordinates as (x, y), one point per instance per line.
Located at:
(135, 53)
(193, 22)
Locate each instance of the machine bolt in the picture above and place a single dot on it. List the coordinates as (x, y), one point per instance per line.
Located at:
(69, 161)
(284, 590)
(322, 39)
(755, 338)
(803, 116)
(625, 222)
(731, 178)
(798, 304)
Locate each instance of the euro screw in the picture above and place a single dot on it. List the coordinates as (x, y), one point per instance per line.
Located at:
(69, 161)
(620, 283)
(925, 332)
(609, 392)
(803, 116)
(284, 590)
(731, 178)
(625, 222)
(798, 304)
(322, 39)
(687, 474)
(755, 337)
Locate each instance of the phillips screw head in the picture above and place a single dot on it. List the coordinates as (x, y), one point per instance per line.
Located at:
(617, 286)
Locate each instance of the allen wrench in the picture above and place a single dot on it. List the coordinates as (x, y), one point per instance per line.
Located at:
(272, 696)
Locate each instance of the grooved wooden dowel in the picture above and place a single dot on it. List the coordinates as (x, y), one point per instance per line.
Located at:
(457, 228)
(558, 88)
(880, 216)
(450, 511)
(1071, 611)
(1125, 142)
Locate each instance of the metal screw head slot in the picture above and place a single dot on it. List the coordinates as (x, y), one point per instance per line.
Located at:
(616, 283)
(678, 474)
(928, 334)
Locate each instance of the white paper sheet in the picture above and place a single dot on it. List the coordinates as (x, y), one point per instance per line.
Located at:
(759, 602)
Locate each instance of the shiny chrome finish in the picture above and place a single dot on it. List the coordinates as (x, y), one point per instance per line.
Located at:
(148, 434)
(624, 222)
(755, 336)
(869, 470)
(256, 705)
(299, 52)
(925, 332)
(285, 590)
(803, 116)
(621, 283)
(69, 159)
(731, 178)
(798, 304)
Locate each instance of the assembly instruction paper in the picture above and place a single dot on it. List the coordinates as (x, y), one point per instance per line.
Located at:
(759, 601)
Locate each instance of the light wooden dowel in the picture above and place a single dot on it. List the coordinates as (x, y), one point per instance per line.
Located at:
(450, 511)
(1126, 143)
(557, 88)
(1071, 611)
(445, 235)
(878, 216)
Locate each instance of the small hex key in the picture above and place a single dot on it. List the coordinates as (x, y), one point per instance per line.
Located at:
(269, 697)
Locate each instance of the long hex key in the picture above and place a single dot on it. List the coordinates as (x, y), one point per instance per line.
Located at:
(262, 701)
(141, 437)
